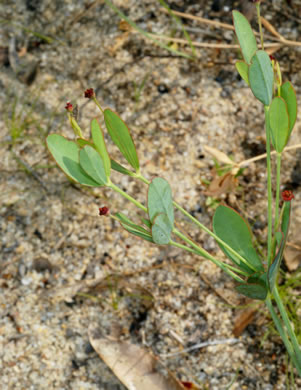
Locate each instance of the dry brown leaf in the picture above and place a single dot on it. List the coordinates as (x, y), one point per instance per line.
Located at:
(243, 320)
(220, 156)
(292, 255)
(221, 185)
(136, 367)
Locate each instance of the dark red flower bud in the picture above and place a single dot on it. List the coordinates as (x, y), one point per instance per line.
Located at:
(287, 195)
(89, 93)
(272, 58)
(104, 211)
(69, 107)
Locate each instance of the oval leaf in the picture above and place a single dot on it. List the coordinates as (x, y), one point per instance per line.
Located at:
(159, 200)
(261, 77)
(288, 93)
(229, 226)
(254, 291)
(66, 155)
(121, 137)
(243, 70)
(92, 164)
(279, 123)
(99, 142)
(245, 36)
(161, 229)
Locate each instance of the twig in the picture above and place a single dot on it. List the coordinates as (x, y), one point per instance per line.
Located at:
(214, 23)
(262, 156)
(202, 345)
(208, 45)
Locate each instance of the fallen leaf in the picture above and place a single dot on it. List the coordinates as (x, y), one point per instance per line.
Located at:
(292, 255)
(136, 367)
(243, 320)
(220, 156)
(221, 185)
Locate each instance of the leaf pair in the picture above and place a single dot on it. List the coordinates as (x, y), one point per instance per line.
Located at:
(257, 69)
(90, 165)
(160, 210)
(161, 215)
(282, 116)
(84, 166)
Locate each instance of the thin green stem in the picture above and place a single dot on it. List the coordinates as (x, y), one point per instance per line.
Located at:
(260, 25)
(282, 333)
(269, 183)
(201, 251)
(277, 191)
(98, 104)
(128, 197)
(208, 231)
(288, 325)
(225, 267)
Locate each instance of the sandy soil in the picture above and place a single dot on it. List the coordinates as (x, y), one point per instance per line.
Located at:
(62, 267)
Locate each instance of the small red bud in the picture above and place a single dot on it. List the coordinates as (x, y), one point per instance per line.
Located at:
(89, 93)
(287, 195)
(104, 211)
(272, 58)
(69, 107)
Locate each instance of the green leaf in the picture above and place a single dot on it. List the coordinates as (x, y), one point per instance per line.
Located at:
(279, 123)
(161, 229)
(229, 226)
(274, 267)
(121, 137)
(134, 229)
(159, 200)
(99, 142)
(243, 69)
(92, 164)
(253, 291)
(261, 77)
(119, 168)
(66, 154)
(288, 93)
(245, 36)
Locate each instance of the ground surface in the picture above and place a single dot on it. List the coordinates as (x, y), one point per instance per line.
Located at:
(52, 240)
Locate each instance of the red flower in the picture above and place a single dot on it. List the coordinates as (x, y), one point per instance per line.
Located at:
(104, 211)
(287, 195)
(69, 107)
(89, 93)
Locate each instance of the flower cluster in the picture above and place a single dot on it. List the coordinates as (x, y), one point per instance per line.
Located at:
(89, 93)
(287, 195)
(104, 210)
